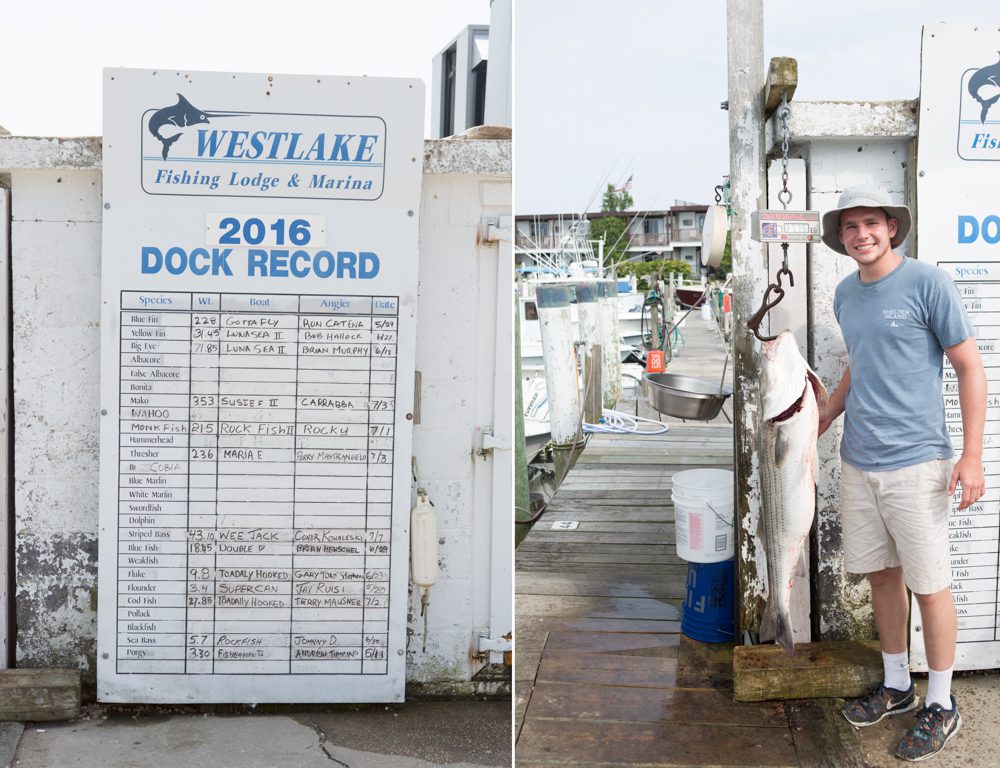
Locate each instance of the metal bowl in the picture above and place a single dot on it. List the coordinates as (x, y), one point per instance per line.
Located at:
(684, 397)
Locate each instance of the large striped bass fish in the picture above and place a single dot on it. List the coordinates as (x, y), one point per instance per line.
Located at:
(792, 395)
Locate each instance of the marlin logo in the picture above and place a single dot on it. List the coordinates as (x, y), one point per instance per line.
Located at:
(168, 124)
(984, 87)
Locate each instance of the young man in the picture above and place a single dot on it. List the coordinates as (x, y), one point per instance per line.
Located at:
(899, 317)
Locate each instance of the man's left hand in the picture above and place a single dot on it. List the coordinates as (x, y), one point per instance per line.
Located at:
(968, 472)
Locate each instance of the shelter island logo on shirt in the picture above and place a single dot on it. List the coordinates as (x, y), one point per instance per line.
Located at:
(893, 317)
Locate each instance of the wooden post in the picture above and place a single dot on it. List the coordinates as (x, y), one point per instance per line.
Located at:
(782, 77)
(593, 406)
(654, 320)
(744, 35)
(39, 694)
(522, 496)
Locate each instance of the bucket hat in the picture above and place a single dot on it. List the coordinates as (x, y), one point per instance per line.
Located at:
(864, 196)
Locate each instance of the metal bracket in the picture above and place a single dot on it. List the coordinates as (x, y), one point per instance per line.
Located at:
(493, 229)
(496, 644)
(487, 442)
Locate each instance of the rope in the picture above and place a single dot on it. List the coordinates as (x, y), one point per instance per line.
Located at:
(618, 423)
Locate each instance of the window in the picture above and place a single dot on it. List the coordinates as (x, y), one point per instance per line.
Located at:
(480, 89)
(687, 222)
(448, 108)
(530, 310)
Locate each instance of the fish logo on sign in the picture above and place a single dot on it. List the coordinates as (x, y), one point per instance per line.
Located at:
(169, 123)
(979, 117)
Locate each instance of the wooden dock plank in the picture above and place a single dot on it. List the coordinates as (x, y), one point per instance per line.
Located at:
(667, 705)
(611, 680)
(600, 742)
(620, 608)
(822, 737)
(663, 586)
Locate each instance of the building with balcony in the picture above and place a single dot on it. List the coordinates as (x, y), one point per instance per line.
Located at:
(471, 83)
(544, 239)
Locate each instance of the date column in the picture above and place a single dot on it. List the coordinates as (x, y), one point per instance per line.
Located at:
(381, 459)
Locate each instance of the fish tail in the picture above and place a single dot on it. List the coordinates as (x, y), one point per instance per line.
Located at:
(167, 143)
(767, 622)
(986, 107)
(783, 634)
(779, 626)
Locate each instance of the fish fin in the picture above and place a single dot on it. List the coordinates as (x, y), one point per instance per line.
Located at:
(803, 566)
(167, 143)
(818, 389)
(780, 447)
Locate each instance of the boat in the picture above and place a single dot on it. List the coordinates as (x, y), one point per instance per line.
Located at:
(690, 298)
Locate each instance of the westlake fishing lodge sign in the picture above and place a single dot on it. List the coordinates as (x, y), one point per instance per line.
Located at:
(258, 325)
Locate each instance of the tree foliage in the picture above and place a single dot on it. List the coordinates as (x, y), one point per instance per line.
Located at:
(616, 201)
(648, 269)
(610, 229)
(726, 263)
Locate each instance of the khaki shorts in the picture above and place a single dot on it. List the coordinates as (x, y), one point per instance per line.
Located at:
(899, 517)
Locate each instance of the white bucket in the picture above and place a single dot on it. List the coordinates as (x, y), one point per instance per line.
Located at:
(706, 312)
(703, 515)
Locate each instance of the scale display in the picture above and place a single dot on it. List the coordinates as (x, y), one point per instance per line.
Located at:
(259, 290)
(780, 226)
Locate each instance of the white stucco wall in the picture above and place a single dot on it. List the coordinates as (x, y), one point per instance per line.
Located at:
(55, 252)
(843, 143)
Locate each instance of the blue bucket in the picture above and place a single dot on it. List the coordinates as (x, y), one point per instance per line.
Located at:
(707, 612)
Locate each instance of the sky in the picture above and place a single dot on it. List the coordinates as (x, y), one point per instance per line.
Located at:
(53, 51)
(606, 90)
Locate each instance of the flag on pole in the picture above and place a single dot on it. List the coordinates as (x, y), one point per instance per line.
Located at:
(627, 186)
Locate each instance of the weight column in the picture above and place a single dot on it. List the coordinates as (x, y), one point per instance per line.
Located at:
(203, 466)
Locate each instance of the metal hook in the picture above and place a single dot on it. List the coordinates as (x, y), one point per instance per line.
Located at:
(768, 304)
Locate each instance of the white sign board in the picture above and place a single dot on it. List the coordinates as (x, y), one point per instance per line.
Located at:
(259, 278)
(958, 228)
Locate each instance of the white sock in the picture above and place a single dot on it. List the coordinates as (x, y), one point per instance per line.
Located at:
(897, 670)
(939, 688)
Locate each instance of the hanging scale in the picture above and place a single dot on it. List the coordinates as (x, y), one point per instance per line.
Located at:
(782, 227)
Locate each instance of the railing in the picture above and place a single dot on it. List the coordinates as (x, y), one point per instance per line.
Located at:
(687, 233)
(546, 242)
(537, 242)
(644, 239)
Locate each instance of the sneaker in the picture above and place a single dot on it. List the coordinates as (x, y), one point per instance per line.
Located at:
(935, 726)
(880, 703)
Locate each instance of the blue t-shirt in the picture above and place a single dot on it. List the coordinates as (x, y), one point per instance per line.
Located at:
(896, 330)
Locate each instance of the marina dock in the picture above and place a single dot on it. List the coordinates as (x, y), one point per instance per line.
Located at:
(603, 674)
